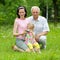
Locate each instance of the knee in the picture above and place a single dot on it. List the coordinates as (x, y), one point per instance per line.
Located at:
(37, 45)
(43, 38)
(30, 45)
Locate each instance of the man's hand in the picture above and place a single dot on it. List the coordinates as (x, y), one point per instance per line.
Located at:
(37, 37)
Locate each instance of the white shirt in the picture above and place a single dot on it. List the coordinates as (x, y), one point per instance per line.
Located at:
(40, 25)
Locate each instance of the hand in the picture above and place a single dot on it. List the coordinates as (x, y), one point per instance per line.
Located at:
(37, 37)
(22, 34)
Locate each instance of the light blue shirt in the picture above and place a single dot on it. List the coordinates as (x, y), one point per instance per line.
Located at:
(40, 25)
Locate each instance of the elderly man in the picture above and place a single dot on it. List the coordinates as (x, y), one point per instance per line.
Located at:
(41, 27)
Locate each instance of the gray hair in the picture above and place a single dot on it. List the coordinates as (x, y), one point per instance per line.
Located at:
(35, 7)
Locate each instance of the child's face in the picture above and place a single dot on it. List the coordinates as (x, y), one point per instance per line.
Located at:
(30, 26)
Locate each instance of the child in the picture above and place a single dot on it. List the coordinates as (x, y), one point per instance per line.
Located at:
(30, 39)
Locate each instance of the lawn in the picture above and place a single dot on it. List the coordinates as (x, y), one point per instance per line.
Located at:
(7, 40)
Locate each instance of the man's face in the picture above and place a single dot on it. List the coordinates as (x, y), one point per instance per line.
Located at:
(35, 12)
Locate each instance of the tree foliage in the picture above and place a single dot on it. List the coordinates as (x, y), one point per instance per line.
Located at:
(8, 8)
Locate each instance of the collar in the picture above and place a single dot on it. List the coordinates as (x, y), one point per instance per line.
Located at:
(35, 20)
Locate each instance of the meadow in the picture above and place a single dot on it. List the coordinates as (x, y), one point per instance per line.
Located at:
(52, 51)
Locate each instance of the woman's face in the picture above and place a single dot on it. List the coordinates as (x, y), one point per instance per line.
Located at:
(21, 12)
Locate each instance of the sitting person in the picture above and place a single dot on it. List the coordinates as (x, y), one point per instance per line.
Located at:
(41, 27)
(30, 39)
(20, 25)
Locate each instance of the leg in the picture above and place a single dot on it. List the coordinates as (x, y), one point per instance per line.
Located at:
(42, 40)
(30, 46)
(21, 44)
(18, 49)
(37, 47)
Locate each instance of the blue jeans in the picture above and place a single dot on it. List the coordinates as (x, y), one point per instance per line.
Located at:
(20, 43)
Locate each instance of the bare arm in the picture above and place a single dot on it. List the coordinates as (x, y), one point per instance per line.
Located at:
(33, 35)
(15, 33)
(41, 34)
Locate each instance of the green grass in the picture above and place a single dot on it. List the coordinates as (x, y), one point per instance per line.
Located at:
(7, 40)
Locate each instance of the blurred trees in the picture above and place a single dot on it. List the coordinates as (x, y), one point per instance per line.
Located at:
(8, 9)
(56, 11)
(49, 9)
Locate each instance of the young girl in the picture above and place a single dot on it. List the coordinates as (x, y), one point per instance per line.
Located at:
(30, 39)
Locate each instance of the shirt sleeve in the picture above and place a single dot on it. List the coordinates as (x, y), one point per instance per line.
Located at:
(45, 25)
(16, 20)
(29, 19)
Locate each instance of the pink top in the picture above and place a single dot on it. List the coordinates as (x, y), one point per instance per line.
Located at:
(22, 25)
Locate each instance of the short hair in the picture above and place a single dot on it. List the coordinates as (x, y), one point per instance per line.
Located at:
(36, 8)
(21, 7)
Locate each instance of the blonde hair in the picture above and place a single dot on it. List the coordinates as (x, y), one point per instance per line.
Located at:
(30, 25)
(35, 7)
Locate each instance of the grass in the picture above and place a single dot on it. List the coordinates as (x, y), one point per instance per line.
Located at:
(7, 40)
